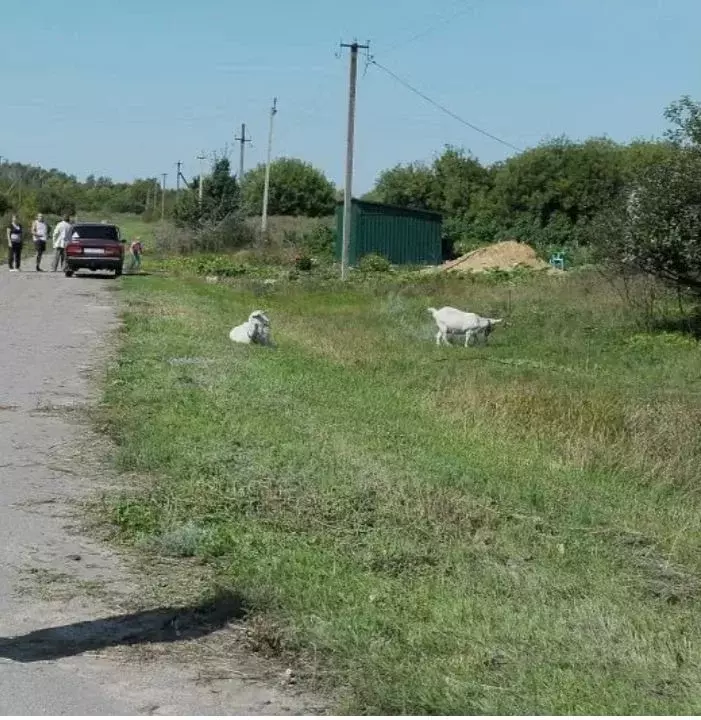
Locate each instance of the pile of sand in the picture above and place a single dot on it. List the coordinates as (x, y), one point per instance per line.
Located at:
(507, 255)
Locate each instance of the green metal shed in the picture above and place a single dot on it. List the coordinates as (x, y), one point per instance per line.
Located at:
(402, 235)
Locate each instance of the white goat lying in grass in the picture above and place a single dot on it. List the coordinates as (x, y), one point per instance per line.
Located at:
(452, 321)
(255, 330)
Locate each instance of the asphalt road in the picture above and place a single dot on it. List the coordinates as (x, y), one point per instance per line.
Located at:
(53, 332)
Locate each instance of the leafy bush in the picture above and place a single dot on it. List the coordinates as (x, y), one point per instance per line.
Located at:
(231, 233)
(304, 263)
(374, 263)
(220, 266)
(320, 241)
(315, 242)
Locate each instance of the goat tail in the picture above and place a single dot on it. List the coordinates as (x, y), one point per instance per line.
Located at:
(433, 311)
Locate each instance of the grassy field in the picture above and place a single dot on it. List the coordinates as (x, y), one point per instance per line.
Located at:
(510, 529)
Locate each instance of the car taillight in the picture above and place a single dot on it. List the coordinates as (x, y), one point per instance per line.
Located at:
(73, 248)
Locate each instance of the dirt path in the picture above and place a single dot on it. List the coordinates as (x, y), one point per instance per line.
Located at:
(64, 652)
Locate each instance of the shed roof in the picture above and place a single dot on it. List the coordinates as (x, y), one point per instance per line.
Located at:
(428, 214)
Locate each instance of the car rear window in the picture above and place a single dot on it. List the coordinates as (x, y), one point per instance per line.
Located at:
(96, 232)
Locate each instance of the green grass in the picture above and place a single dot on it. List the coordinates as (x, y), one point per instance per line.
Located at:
(510, 529)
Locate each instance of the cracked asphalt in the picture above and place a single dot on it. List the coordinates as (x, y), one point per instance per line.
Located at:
(54, 331)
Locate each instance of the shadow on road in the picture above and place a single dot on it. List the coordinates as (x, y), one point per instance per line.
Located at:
(107, 276)
(152, 626)
(94, 276)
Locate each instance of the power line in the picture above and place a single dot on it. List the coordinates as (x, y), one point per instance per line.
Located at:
(429, 30)
(371, 61)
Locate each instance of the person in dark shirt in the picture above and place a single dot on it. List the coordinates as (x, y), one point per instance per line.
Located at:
(14, 244)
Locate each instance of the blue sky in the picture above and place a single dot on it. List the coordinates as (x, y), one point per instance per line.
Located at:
(126, 88)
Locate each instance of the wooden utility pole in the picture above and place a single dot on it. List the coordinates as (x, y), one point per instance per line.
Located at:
(348, 189)
(243, 140)
(266, 187)
(163, 197)
(201, 157)
(177, 179)
(182, 177)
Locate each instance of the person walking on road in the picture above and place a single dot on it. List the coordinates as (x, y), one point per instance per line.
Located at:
(40, 232)
(61, 236)
(14, 244)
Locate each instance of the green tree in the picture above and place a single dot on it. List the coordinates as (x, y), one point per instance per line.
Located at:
(656, 228)
(460, 180)
(685, 117)
(217, 223)
(52, 191)
(455, 185)
(548, 194)
(296, 188)
(412, 185)
(221, 191)
(462, 185)
(220, 198)
(450, 185)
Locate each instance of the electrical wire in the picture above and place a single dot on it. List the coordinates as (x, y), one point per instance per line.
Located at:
(429, 30)
(371, 61)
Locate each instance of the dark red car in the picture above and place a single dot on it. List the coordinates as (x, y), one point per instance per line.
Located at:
(94, 246)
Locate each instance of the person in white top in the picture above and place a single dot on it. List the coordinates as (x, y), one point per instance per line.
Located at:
(61, 237)
(40, 231)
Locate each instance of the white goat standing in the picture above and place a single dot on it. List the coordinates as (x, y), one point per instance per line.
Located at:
(255, 330)
(452, 321)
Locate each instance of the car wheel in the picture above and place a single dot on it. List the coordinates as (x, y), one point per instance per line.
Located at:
(68, 273)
